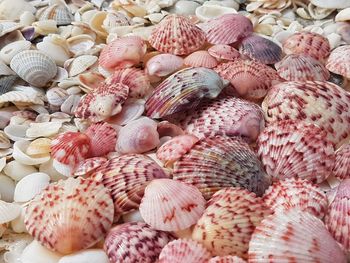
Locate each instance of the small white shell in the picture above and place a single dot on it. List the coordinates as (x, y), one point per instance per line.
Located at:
(10, 50)
(80, 43)
(51, 171)
(7, 188)
(43, 129)
(56, 48)
(16, 132)
(80, 64)
(86, 256)
(35, 252)
(30, 186)
(19, 149)
(17, 170)
(17, 225)
(207, 12)
(8, 211)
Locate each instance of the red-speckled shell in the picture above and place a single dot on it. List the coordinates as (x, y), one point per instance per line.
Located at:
(249, 78)
(309, 43)
(301, 67)
(296, 149)
(103, 102)
(227, 259)
(296, 192)
(103, 138)
(177, 35)
(218, 162)
(229, 221)
(88, 166)
(135, 242)
(227, 29)
(225, 52)
(201, 58)
(294, 236)
(321, 103)
(70, 215)
(341, 168)
(338, 61)
(184, 250)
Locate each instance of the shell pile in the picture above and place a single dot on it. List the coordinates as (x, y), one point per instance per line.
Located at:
(174, 131)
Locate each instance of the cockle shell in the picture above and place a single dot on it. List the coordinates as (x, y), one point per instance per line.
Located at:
(227, 259)
(229, 220)
(225, 52)
(8, 211)
(60, 13)
(116, 19)
(103, 138)
(184, 250)
(200, 58)
(321, 103)
(341, 168)
(182, 91)
(29, 186)
(80, 64)
(163, 65)
(56, 96)
(144, 242)
(70, 215)
(296, 236)
(177, 35)
(218, 162)
(11, 49)
(20, 155)
(337, 62)
(89, 166)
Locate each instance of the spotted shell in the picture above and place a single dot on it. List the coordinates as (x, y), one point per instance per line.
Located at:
(338, 62)
(227, 259)
(163, 65)
(88, 166)
(103, 139)
(201, 58)
(218, 162)
(70, 215)
(182, 91)
(341, 168)
(177, 35)
(225, 52)
(228, 222)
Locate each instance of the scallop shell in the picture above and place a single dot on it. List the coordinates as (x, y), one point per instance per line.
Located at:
(80, 64)
(342, 162)
(34, 67)
(132, 110)
(29, 186)
(312, 44)
(301, 67)
(201, 58)
(182, 91)
(8, 211)
(338, 63)
(13, 48)
(103, 138)
(227, 259)
(321, 103)
(56, 96)
(177, 35)
(225, 52)
(163, 65)
(184, 250)
(7, 83)
(20, 98)
(218, 162)
(58, 12)
(70, 215)
(228, 222)
(89, 166)
(296, 236)
(144, 242)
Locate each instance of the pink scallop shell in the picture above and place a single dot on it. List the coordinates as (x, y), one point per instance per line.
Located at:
(225, 52)
(201, 58)
(88, 166)
(163, 65)
(341, 168)
(227, 259)
(338, 61)
(103, 138)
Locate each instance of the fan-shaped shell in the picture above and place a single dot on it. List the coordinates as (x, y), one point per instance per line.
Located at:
(29, 186)
(227, 259)
(297, 236)
(301, 67)
(132, 110)
(229, 221)
(341, 168)
(201, 58)
(13, 48)
(70, 215)
(34, 67)
(182, 91)
(225, 52)
(21, 98)
(321, 103)
(163, 65)
(103, 138)
(218, 162)
(338, 62)
(177, 35)
(89, 166)
(58, 12)
(7, 83)
(8, 211)
(135, 242)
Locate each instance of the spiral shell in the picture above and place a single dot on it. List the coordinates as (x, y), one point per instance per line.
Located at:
(341, 168)
(338, 62)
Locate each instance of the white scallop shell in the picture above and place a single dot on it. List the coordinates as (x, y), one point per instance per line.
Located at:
(7, 188)
(58, 12)
(19, 149)
(17, 170)
(80, 64)
(8, 211)
(31, 185)
(13, 48)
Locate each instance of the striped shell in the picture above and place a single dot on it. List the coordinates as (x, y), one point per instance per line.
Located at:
(70, 215)
(58, 12)
(296, 236)
(218, 162)
(229, 221)
(225, 52)
(341, 169)
(338, 62)
(103, 139)
(163, 65)
(182, 91)
(177, 35)
(201, 58)
(296, 149)
(135, 242)
(321, 103)
(227, 259)
(88, 166)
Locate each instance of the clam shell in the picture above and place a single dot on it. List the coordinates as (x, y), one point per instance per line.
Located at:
(80, 64)
(84, 256)
(227, 259)
(39, 147)
(200, 58)
(56, 96)
(80, 44)
(342, 162)
(60, 13)
(182, 91)
(70, 215)
(16, 132)
(298, 236)
(132, 110)
(331, 5)
(70, 104)
(228, 222)
(11, 49)
(16, 171)
(20, 155)
(103, 138)
(43, 129)
(13, 9)
(163, 65)
(337, 62)
(7, 188)
(34, 252)
(4, 141)
(145, 242)
(21, 98)
(166, 128)
(177, 35)
(208, 12)
(8, 211)
(89, 166)
(225, 52)
(55, 47)
(218, 162)
(29, 186)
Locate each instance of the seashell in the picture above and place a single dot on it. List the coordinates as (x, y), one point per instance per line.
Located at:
(249, 78)
(313, 102)
(70, 104)
(138, 136)
(43, 129)
(116, 19)
(132, 110)
(8, 211)
(225, 52)
(166, 128)
(87, 255)
(301, 67)
(171, 205)
(89, 166)
(177, 35)
(201, 58)
(7, 83)
(340, 4)
(228, 222)
(20, 98)
(103, 102)
(16, 171)
(11, 49)
(80, 44)
(16, 132)
(123, 52)
(7, 188)
(55, 47)
(337, 62)
(296, 149)
(342, 162)
(34, 252)
(59, 13)
(296, 192)
(294, 235)
(86, 216)
(103, 138)
(136, 79)
(218, 162)
(163, 65)
(227, 29)
(207, 12)
(56, 96)
(45, 27)
(227, 259)
(49, 169)
(308, 43)
(26, 18)
(29, 186)
(4, 141)
(34, 67)
(80, 64)
(39, 147)
(182, 91)
(12, 10)
(19, 154)
(127, 237)
(184, 250)
(90, 81)
(261, 49)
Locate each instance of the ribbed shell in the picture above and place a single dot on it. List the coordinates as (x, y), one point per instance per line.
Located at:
(227, 259)
(70, 215)
(321, 103)
(338, 62)
(103, 139)
(21, 98)
(201, 58)
(60, 13)
(177, 35)
(135, 242)
(182, 91)
(218, 162)
(163, 65)
(222, 51)
(293, 236)
(229, 221)
(6, 83)
(341, 168)
(88, 166)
